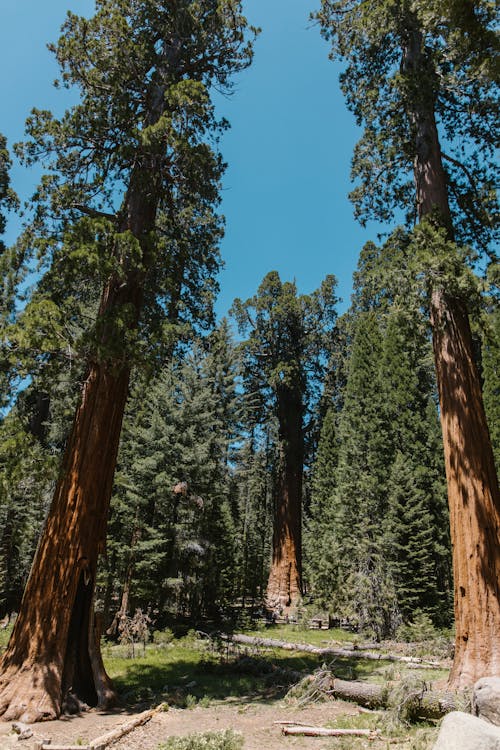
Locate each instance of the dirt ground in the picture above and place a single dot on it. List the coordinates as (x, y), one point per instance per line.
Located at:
(255, 720)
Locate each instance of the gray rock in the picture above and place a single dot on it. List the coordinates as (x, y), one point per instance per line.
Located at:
(486, 699)
(23, 731)
(461, 731)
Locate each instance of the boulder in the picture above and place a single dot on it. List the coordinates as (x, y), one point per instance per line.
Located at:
(461, 731)
(486, 699)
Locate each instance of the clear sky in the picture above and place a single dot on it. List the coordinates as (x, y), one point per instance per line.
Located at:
(289, 147)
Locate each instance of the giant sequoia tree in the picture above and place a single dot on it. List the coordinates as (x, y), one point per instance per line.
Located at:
(128, 208)
(283, 358)
(419, 77)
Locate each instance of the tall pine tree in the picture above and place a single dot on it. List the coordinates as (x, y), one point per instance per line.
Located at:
(283, 357)
(420, 78)
(128, 206)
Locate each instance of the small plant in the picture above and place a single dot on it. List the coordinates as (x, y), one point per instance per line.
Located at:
(419, 629)
(190, 701)
(226, 740)
(163, 638)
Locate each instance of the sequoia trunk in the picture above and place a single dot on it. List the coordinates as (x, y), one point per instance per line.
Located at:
(284, 586)
(53, 659)
(473, 493)
(473, 496)
(51, 653)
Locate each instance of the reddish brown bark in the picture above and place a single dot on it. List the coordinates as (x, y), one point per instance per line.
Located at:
(53, 656)
(48, 654)
(473, 496)
(284, 587)
(473, 493)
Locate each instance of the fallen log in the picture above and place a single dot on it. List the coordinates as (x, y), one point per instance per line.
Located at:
(116, 734)
(422, 703)
(327, 732)
(413, 661)
(106, 739)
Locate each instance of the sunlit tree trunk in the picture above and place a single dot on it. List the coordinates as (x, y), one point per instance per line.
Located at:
(284, 586)
(473, 493)
(48, 656)
(53, 657)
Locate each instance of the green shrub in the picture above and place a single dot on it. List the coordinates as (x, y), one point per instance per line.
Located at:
(419, 629)
(226, 740)
(163, 637)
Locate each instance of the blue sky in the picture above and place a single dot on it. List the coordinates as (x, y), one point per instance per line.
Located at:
(289, 147)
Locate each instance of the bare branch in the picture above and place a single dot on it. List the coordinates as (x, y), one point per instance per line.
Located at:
(94, 213)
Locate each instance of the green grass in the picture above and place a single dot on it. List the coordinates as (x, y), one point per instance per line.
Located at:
(185, 667)
(4, 637)
(184, 672)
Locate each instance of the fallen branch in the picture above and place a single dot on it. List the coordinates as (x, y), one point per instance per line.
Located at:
(412, 661)
(116, 734)
(325, 732)
(106, 739)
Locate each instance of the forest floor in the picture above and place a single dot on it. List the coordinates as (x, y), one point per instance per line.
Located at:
(255, 720)
(211, 687)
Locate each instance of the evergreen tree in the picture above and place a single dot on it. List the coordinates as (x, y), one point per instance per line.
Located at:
(172, 529)
(320, 561)
(389, 397)
(8, 269)
(127, 210)
(419, 76)
(363, 590)
(255, 481)
(27, 476)
(417, 548)
(283, 357)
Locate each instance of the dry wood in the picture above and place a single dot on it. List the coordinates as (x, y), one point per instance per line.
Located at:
(413, 661)
(116, 734)
(427, 704)
(326, 732)
(106, 739)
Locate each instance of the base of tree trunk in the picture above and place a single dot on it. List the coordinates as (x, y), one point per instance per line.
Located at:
(30, 694)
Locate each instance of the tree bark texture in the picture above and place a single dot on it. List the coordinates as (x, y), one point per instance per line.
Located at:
(473, 493)
(284, 587)
(425, 704)
(53, 660)
(48, 655)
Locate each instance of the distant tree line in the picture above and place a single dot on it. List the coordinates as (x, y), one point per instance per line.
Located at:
(199, 472)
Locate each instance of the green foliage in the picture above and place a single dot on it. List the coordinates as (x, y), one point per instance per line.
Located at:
(288, 337)
(223, 740)
(9, 270)
(420, 628)
(162, 637)
(377, 545)
(172, 527)
(8, 198)
(27, 474)
(144, 119)
(284, 357)
(456, 47)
